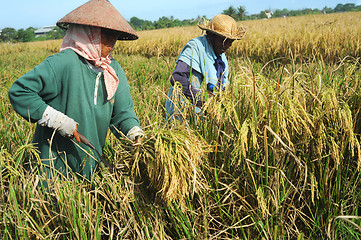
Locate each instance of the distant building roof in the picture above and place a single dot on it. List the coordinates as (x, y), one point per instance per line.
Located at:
(44, 30)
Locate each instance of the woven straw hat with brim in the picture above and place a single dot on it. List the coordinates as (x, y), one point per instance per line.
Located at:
(99, 13)
(223, 25)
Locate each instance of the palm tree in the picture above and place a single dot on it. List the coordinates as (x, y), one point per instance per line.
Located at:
(241, 10)
(231, 11)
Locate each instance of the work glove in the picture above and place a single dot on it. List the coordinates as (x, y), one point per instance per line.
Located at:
(65, 125)
(135, 134)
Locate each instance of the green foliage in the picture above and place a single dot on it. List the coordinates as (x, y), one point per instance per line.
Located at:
(21, 35)
(27, 35)
(348, 7)
(239, 13)
(140, 24)
(236, 13)
(8, 35)
(162, 22)
(56, 33)
(230, 11)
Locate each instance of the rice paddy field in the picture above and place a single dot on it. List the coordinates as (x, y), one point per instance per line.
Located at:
(277, 155)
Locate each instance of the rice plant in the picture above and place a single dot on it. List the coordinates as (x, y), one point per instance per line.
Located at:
(276, 156)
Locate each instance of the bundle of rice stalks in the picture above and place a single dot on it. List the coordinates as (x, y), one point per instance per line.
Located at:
(172, 159)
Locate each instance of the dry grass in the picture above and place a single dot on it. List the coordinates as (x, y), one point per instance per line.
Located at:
(326, 37)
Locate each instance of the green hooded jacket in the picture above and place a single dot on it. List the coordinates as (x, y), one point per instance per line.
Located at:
(66, 82)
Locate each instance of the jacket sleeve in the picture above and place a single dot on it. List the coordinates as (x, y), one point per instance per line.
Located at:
(124, 117)
(29, 93)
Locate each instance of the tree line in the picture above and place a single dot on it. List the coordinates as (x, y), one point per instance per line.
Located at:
(238, 13)
(28, 35)
(348, 7)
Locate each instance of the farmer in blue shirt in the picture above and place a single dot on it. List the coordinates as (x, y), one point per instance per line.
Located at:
(203, 59)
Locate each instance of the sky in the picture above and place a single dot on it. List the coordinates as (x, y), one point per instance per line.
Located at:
(38, 13)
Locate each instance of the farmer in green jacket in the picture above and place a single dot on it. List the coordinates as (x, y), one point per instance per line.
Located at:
(82, 88)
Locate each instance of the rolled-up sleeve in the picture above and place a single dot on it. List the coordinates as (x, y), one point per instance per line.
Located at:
(181, 74)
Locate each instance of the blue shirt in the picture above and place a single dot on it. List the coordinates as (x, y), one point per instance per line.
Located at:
(197, 62)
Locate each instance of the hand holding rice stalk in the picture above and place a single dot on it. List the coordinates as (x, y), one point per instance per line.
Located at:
(172, 159)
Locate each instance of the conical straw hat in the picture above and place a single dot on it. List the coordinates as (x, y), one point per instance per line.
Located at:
(99, 13)
(223, 25)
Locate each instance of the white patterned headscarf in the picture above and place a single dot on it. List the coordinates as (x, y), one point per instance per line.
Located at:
(86, 41)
